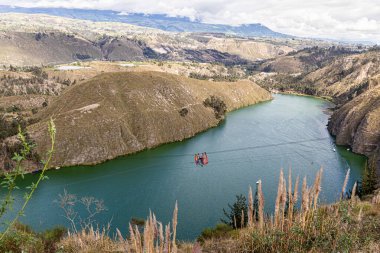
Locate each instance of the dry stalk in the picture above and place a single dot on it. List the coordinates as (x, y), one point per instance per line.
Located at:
(345, 184)
(353, 195)
(317, 188)
(305, 202)
(175, 219)
(250, 207)
(261, 205)
(278, 199)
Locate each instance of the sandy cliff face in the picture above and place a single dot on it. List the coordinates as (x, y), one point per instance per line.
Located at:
(120, 113)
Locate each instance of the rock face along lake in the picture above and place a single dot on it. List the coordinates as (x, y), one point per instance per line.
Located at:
(251, 144)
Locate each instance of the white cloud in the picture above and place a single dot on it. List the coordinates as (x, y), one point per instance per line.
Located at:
(336, 19)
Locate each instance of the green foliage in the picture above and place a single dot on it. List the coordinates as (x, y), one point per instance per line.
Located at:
(21, 238)
(8, 182)
(217, 104)
(215, 77)
(137, 222)
(50, 238)
(220, 231)
(234, 217)
(9, 127)
(18, 241)
(369, 179)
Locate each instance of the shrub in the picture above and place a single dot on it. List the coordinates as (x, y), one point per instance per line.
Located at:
(13, 108)
(238, 215)
(369, 182)
(17, 240)
(34, 110)
(51, 237)
(217, 104)
(183, 112)
(221, 230)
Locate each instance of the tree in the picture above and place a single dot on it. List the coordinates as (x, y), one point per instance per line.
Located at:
(217, 104)
(368, 184)
(234, 217)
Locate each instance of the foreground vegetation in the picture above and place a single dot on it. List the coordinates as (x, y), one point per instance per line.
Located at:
(350, 225)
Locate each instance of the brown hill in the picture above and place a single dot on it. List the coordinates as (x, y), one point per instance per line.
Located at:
(305, 60)
(19, 48)
(346, 77)
(115, 114)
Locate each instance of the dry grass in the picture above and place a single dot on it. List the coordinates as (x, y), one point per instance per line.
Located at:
(346, 226)
(155, 238)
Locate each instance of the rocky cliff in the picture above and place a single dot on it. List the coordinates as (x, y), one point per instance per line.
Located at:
(116, 114)
(357, 123)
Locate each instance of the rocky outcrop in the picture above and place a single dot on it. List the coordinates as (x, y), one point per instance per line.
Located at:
(116, 114)
(357, 123)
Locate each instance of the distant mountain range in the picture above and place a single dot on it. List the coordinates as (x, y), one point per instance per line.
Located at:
(158, 21)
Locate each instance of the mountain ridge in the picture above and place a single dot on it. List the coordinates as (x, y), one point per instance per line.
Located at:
(157, 21)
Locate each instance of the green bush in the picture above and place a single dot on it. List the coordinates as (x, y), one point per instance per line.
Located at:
(18, 240)
(220, 231)
(51, 237)
(21, 238)
(234, 217)
(217, 104)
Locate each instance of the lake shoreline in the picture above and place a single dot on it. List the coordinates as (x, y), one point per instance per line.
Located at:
(158, 145)
(252, 143)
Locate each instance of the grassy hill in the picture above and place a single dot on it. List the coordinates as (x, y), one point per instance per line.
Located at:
(116, 114)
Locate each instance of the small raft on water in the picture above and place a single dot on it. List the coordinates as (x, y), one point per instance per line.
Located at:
(201, 159)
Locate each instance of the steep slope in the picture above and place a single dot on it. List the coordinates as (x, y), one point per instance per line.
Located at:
(305, 60)
(115, 114)
(36, 48)
(346, 77)
(357, 123)
(339, 76)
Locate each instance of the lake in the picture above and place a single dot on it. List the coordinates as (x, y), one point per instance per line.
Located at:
(252, 143)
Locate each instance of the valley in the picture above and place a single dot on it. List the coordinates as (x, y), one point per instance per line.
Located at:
(123, 103)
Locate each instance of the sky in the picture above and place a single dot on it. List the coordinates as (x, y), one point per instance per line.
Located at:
(350, 20)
